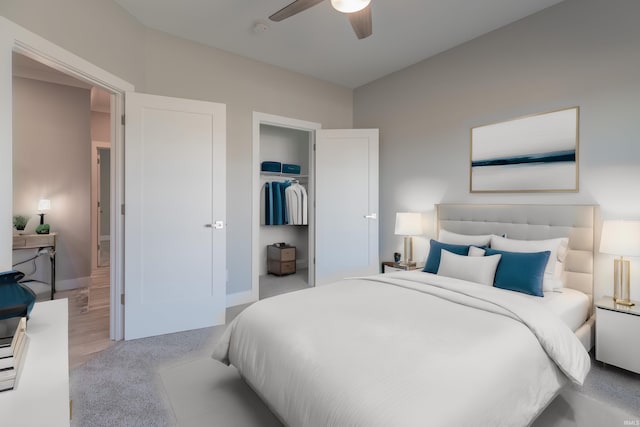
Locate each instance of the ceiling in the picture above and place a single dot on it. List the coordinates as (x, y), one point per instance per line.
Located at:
(320, 42)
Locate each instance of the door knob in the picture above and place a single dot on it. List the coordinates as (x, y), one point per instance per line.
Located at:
(217, 225)
(371, 216)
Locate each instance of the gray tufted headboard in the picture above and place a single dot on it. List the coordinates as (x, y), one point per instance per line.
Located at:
(533, 222)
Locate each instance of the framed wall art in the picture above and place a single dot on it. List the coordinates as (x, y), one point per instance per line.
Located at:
(536, 153)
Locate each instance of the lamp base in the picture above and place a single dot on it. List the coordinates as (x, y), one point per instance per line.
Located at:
(621, 282)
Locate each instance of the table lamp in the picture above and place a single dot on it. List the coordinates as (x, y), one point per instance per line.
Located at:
(621, 238)
(43, 206)
(408, 224)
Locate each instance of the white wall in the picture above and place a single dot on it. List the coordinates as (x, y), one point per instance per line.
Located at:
(51, 159)
(165, 65)
(580, 52)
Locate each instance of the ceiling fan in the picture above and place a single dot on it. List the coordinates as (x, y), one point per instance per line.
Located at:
(358, 12)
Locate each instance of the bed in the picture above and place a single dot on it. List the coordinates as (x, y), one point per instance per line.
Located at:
(414, 348)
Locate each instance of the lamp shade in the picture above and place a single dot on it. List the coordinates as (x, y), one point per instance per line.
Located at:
(620, 238)
(349, 6)
(408, 223)
(44, 205)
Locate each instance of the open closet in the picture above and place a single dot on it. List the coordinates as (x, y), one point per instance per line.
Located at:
(286, 189)
(339, 171)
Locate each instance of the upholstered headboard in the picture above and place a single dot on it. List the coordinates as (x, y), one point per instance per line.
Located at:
(533, 222)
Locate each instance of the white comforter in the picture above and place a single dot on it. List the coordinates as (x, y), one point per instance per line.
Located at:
(403, 349)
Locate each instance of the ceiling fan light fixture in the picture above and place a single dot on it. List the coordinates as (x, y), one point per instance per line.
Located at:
(349, 6)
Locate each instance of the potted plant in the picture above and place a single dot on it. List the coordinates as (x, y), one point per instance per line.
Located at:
(20, 222)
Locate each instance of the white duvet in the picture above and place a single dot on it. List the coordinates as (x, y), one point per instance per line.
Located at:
(403, 349)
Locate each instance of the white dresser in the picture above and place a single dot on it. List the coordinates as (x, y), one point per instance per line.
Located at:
(41, 396)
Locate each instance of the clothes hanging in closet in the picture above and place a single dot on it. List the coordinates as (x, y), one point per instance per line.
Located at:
(283, 203)
(296, 199)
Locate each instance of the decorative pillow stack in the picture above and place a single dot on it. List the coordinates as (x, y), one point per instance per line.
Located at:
(527, 266)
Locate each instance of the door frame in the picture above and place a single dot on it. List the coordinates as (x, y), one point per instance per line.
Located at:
(95, 191)
(14, 38)
(283, 122)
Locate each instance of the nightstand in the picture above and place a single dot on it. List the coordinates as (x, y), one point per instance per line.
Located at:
(390, 266)
(617, 332)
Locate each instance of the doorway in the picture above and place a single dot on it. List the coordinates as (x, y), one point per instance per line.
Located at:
(287, 140)
(65, 66)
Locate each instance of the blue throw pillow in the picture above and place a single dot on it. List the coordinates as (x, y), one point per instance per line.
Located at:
(520, 271)
(435, 251)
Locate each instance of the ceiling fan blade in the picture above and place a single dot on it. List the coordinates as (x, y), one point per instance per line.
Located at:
(361, 22)
(293, 9)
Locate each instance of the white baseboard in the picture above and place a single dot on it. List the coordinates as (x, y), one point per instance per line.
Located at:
(66, 285)
(239, 298)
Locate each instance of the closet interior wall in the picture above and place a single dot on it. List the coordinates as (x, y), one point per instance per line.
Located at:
(291, 146)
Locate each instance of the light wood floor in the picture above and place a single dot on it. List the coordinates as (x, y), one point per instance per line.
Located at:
(88, 318)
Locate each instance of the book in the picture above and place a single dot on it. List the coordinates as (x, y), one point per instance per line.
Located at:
(8, 329)
(10, 365)
(7, 374)
(8, 351)
(7, 384)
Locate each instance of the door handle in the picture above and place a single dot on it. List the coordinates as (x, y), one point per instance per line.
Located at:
(217, 225)
(371, 216)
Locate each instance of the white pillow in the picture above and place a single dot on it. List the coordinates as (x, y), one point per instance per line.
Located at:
(463, 239)
(557, 247)
(471, 268)
(476, 251)
(553, 282)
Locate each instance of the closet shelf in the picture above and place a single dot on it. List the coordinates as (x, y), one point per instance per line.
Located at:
(285, 175)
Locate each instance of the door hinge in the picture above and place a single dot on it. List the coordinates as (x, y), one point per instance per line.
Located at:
(122, 299)
(122, 120)
(314, 147)
(122, 209)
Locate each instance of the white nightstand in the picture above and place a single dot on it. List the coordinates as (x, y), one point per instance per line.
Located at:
(617, 332)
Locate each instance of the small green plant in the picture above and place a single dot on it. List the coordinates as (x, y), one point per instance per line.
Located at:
(20, 221)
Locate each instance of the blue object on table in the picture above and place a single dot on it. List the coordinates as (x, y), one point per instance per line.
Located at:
(292, 169)
(271, 166)
(16, 300)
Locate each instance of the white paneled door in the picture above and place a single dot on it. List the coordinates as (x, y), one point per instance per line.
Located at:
(346, 203)
(175, 215)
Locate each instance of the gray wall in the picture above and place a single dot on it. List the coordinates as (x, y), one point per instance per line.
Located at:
(103, 33)
(580, 52)
(51, 158)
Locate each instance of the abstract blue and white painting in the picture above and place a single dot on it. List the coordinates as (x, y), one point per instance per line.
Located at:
(533, 153)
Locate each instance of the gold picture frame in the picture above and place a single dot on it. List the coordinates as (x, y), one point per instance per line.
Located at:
(534, 153)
